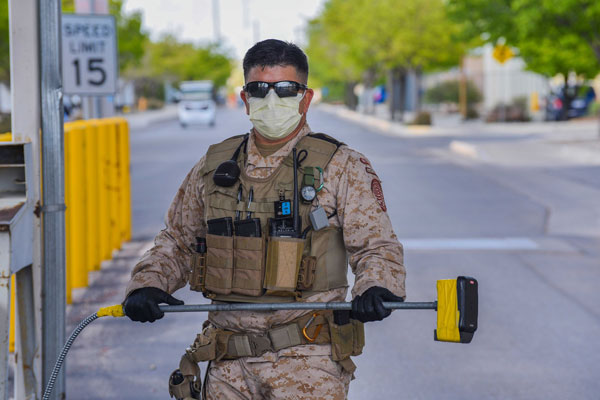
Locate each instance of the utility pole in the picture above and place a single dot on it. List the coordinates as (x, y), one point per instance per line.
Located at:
(216, 21)
(462, 90)
(246, 14)
(256, 31)
(53, 193)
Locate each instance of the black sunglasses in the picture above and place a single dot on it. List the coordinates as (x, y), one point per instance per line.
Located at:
(282, 88)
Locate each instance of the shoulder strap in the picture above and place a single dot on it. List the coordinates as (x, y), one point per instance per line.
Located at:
(217, 153)
(326, 138)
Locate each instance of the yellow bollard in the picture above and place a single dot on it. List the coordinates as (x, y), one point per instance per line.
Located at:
(77, 200)
(11, 330)
(69, 211)
(113, 187)
(92, 204)
(103, 193)
(125, 178)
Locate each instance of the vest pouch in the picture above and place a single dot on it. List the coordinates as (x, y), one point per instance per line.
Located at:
(283, 263)
(249, 265)
(198, 272)
(346, 340)
(219, 264)
(306, 275)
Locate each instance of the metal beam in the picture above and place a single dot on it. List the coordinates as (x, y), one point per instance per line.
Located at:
(53, 216)
(25, 99)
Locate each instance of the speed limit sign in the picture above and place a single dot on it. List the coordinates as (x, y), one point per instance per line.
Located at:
(89, 54)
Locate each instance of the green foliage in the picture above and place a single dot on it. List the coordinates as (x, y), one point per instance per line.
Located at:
(68, 6)
(448, 92)
(4, 43)
(132, 39)
(594, 109)
(422, 118)
(5, 123)
(354, 40)
(553, 36)
(172, 60)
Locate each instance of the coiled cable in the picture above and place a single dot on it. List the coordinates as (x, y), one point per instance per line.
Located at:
(111, 311)
(61, 358)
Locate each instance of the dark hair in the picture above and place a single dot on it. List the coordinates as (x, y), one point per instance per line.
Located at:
(272, 52)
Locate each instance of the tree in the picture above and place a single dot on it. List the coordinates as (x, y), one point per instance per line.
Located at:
(331, 65)
(375, 36)
(553, 37)
(171, 60)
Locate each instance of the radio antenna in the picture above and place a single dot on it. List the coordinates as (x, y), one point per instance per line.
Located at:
(297, 227)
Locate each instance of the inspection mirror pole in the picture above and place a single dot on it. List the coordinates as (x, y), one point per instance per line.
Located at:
(53, 207)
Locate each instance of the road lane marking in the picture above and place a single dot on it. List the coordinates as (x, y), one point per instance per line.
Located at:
(507, 243)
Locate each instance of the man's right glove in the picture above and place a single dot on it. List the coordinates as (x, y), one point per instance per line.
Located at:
(369, 305)
(142, 304)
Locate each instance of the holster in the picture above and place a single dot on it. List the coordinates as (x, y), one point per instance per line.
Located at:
(190, 382)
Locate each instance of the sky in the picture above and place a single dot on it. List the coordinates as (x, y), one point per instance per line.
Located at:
(241, 22)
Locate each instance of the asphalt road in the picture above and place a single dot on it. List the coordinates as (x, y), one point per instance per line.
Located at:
(524, 232)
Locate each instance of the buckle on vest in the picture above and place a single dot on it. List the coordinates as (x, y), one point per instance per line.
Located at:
(260, 344)
(251, 345)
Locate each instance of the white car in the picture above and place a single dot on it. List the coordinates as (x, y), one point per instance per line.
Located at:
(196, 105)
(197, 112)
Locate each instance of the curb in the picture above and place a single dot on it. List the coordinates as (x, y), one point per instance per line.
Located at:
(143, 119)
(384, 126)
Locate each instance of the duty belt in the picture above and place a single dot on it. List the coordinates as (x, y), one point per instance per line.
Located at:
(217, 344)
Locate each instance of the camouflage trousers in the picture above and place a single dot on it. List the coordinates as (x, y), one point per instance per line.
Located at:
(297, 377)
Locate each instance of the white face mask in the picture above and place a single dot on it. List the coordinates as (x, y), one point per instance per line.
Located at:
(275, 117)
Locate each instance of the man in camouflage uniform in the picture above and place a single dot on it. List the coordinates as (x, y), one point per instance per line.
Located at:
(353, 199)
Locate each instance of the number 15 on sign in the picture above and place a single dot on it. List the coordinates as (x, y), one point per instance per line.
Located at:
(89, 54)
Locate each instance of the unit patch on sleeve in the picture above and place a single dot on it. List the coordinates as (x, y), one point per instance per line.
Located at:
(378, 193)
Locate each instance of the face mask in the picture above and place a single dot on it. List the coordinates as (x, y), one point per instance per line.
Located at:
(275, 117)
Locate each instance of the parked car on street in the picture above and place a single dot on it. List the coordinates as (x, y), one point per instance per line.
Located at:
(197, 104)
(584, 97)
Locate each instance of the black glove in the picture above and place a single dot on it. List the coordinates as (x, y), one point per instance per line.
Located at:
(369, 305)
(142, 304)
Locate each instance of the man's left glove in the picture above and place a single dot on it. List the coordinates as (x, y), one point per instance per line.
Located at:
(369, 305)
(142, 304)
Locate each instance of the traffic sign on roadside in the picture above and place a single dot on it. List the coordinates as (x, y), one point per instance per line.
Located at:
(89, 54)
(502, 53)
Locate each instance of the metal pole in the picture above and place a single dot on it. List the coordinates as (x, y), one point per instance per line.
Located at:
(53, 207)
(216, 21)
(291, 306)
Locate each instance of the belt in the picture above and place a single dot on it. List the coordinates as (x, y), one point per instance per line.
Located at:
(306, 330)
(223, 344)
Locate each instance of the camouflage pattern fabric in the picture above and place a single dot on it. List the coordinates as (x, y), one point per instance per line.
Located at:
(352, 188)
(298, 377)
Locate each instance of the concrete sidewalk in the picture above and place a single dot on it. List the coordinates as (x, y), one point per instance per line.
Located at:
(539, 143)
(142, 119)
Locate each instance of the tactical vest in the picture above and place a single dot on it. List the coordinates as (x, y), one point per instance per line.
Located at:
(267, 269)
